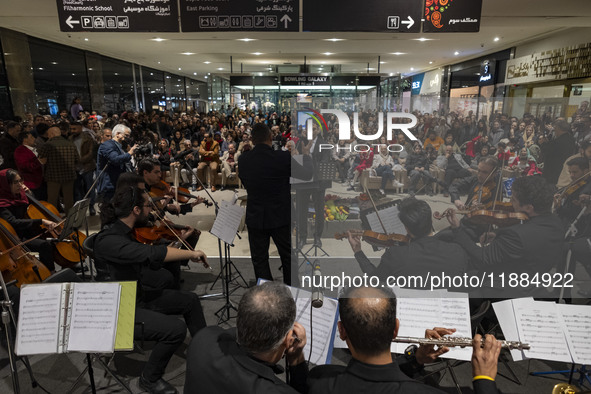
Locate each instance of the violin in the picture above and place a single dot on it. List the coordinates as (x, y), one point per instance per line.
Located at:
(572, 188)
(16, 262)
(501, 218)
(67, 254)
(149, 235)
(376, 239)
(162, 189)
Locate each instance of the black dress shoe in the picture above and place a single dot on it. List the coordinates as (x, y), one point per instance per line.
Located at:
(160, 386)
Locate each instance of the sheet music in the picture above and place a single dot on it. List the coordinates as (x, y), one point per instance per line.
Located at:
(94, 317)
(324, 325)
(227, 222)
(38, 321)
(390, 220)
(577, 325)
(506, 317)
(539, 325)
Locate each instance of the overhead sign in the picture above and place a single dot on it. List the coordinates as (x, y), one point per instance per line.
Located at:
(487, 73)
(118, 16)
(240, 15)
(304, 80)
(392, 16)
(444, 16)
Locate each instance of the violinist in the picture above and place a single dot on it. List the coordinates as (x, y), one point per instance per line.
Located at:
(422, 254)
(536, 246)
(481, 189)
(128, 259)
(13, 209)
(569, 203)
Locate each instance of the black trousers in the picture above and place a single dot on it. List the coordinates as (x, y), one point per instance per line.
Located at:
(168, 331)
(45, 250)
(259, 240)
(302, 203)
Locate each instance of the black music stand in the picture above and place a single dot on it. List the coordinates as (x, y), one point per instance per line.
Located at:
(74, 220)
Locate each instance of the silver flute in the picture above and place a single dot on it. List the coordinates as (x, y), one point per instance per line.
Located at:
(459, 341)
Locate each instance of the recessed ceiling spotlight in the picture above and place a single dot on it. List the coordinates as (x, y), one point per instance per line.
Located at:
(41, 68)
(412, 69)
(328, 53)
(194, 73)
(391, 74)
(422, 39)
(496, 39)
(179, 69)
(398, 53)
(187, 53)
(53, 62)
(334, 39)
(85, 39)
(158, 62)
(207, 62)
(430, 62)
(247, 39)
(158, 39)
(220, 68)
(456, 53)
(382, 62)
(257, 53)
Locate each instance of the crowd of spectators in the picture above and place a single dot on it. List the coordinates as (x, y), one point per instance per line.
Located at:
(58, 155)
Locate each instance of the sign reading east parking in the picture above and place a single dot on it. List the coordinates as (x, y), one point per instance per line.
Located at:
(392, 16)
(118, 15)
(443, 16)
(240, 15)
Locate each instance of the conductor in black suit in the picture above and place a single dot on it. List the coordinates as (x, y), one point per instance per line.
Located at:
(265, 173)
(315, 190)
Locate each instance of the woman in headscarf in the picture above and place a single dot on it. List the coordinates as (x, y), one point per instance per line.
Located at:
(13, 209)
(525, 164)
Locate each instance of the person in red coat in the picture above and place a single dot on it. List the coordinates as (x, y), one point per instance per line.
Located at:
(29, 165)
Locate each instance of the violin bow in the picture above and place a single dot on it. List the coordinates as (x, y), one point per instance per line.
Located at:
(182, 241)
(376, 208)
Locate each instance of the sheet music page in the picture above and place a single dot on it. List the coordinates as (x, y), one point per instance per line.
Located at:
(227, 222)
(93, 319)
(390, 219)
(506, 317)
(324, 325)
(539, 325)
(577, 325)
(455, 313)
(38, 320)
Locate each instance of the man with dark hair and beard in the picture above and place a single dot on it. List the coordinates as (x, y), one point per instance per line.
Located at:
(130, 260)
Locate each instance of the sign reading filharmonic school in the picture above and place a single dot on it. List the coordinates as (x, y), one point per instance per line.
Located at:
(240, 15)
(118, 15)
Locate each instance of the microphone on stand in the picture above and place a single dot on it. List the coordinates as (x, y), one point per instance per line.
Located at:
(318, 291)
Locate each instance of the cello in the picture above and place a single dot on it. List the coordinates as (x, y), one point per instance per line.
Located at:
(16, 262)
(67, 254)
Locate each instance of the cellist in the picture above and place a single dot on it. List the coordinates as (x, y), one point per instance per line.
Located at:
(13, 209)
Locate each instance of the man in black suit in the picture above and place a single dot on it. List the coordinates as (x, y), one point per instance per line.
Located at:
(265, 173)
(556, 151)
(315, 190)
(534, 247)
(368, 324)
(422, 254)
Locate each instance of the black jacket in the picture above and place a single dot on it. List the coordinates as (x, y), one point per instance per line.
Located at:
(8, 145)
(555, 153)
(265, 173)
(216, 364)
(358, 377)
(417, 160)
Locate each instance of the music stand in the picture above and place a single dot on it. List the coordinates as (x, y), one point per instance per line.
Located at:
(74, 220)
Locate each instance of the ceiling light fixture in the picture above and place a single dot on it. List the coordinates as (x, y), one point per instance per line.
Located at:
(207, 62)
(398, 53)
(328, 53)
(422, 39)
(430, 62)
(53, 62)
(179, 69)
(85, 39)
(257, 53)
(194, 73)
(220, 68)
(496, 39)
(187, 53)
(456, 53)
(158, 39)
(334, 39)
(412, 69)
(247, 39)
(382, 62)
